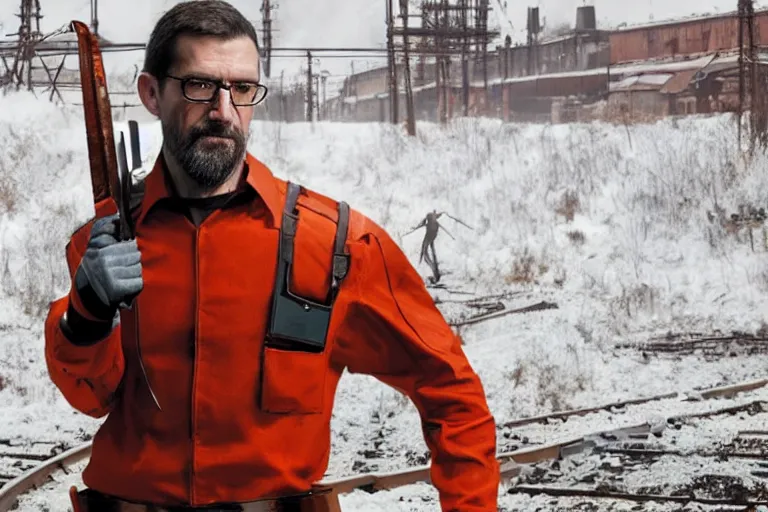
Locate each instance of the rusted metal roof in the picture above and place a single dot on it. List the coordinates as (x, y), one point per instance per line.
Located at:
(679, 82)
(661, 66)
(694, 18)
(644, 82)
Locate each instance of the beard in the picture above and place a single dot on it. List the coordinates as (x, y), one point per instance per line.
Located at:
(208, 162)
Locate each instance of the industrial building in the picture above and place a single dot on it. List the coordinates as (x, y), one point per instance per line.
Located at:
(635, 73)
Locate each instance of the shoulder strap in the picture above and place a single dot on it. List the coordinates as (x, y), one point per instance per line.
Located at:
(288, 234)
(340, 256)
(288, 226)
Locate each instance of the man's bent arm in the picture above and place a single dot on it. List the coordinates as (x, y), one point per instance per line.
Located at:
(393, 331)
(84, 357)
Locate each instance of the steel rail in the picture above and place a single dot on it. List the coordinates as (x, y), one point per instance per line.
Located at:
(706, 394)
(564, 492)
(37, 476)
(510, 467)
(510, 462)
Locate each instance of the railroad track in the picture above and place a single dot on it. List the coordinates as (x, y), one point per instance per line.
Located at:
(531, 460)
(707, 346)
(669, 471)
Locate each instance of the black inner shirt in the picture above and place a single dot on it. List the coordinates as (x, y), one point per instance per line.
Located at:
(199, 208)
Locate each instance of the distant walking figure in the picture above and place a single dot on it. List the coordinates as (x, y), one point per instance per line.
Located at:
(428, 244)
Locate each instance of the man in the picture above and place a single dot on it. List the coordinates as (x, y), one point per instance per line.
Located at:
(208, 396)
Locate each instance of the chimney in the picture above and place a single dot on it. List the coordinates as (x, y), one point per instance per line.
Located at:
(534, 27)
(585, 18)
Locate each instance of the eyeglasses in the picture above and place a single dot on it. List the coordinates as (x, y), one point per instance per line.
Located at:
(204, 90)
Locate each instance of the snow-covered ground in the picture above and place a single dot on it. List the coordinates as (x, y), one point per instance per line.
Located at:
(608, 222)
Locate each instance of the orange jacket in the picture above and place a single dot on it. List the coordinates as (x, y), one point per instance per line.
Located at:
(241, 421)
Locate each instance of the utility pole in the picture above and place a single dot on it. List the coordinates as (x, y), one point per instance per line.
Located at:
(29, 34)
(266, 35)
(310, 113)
(95, 17)
(750, 93)
(394, 93)
(448, 28)
(464, 60)
(282, 96)
(482, 23)
(411, 119)
(324, 110)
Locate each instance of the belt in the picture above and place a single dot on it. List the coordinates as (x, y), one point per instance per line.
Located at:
(94, 501)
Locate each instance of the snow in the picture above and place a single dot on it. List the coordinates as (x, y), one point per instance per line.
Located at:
(641, 80)
(608, 222)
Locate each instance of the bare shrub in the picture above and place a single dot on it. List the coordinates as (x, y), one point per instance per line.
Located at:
(634, 300)
(552, 389)
(559, 278)
(526, 268)
(9, 191)
(523, 270)
(761, 277)
(517, 375)
(581, 380)
(556, 377)
(584, 331)
(459, 333)
(471, 133)
(569, 205)
(577, 237)
(42, 273)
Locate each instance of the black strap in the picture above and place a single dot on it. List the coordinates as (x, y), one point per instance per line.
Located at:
(340, 257)
(288, 228)
(288, 233)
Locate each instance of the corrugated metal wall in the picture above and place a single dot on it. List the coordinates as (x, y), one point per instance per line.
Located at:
(701, 36)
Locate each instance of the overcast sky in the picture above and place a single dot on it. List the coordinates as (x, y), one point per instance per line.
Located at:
(301, 23)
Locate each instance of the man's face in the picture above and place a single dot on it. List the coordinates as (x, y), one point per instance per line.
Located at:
(208, 140)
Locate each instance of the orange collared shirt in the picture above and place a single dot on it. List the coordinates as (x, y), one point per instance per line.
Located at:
(241, 421)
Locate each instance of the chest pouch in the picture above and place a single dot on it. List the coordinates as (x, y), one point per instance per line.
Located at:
(298, 323)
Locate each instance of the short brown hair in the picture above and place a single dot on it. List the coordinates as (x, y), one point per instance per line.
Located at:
(215, 18)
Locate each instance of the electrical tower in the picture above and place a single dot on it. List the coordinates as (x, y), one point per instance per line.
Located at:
(752, 78)
(95, 17)
(19, 72)
(449, 28)
(266, 34)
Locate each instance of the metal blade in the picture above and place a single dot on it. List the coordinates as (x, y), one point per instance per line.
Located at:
(133, 129)
(101, 149)
(126, 231)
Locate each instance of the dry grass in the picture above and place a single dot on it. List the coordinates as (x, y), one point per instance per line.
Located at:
(577, 237)
(569, 206)
(9, 197)
(559, 277)
(634, 301)
(552, 389)
(761, 277)
(517, 375)
(458, 332)
(523, 270)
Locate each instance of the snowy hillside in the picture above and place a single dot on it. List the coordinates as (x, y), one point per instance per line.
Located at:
(609, 223)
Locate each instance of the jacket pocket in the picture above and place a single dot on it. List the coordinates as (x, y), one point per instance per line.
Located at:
(293, 382)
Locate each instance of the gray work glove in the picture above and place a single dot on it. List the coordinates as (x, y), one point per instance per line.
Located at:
(109, 275)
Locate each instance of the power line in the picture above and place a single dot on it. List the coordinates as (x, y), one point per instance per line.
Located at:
(50, 49)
